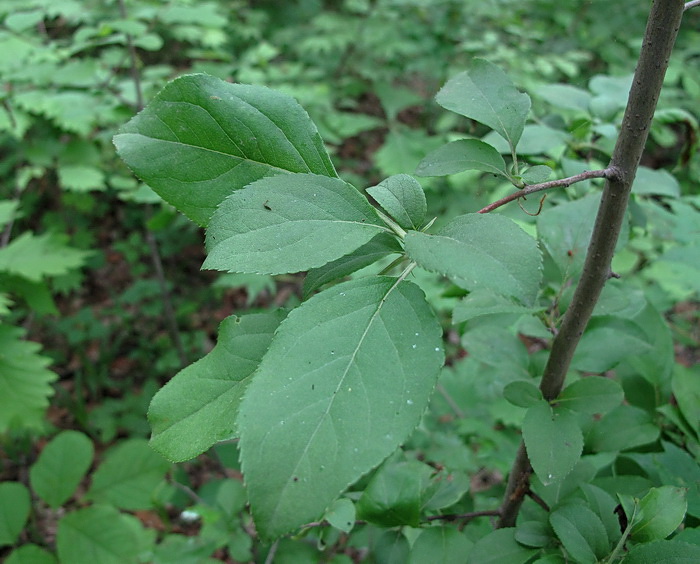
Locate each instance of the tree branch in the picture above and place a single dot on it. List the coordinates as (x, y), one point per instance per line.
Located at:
(693, 4)
(561, 183)
(659, 38)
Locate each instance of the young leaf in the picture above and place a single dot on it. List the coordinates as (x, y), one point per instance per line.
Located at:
(537, 174)
(553, 440)
(662, 510)
(522, 393)
(481, 251)
(464, 154)
(345, 380)
(197, 407)
(15, 504)
(378, 247)
(61, 466)
(341, 515)
(581, 532)
(593, 394)
(128, 476)
(402, 197)
(289, 223)
(487, 95)
(201, 138)
(25, 383)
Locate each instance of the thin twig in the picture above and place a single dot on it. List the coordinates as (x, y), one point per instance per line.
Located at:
(689, 5)
(189, 492)
(271, 555)
(561, 183)
(150, 237)
(659, 38)
(464, 516)
(448, 398)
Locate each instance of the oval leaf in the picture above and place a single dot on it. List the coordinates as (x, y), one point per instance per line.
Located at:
(553, 440)
(464, 154)
(128, 476)
(289, 223)
(198, 406)
(15, 505)
(97, 534)
(202, 138)
(402, 197)
(581, 532)
(481, 251)
(61, 466)
(593, 394)
(662, 510)
(345, 381)
(487, 95)
(522, 393)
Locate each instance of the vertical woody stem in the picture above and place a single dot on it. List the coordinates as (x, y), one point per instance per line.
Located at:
(659, 38)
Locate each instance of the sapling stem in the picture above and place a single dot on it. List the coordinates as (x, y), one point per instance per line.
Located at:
(659, 38)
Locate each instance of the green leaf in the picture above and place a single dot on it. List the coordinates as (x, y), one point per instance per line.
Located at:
(464, 154)
(378, 247)
(500, 547)
(393, 497)
(198, 406)
(655, 183)
(344, 382)
(534, 533)
(128, 476)
(341, 515)
(402, 197)
(593, 394)
(81, 178)
(35, 256)
(30, 554)
(607, 341)
(441, 545)
(61, 466)
(623, 428)
(565, 96)
(686, 389)
(661, 511)
(481, 251)
(487, 95)
(15, 504)
(663, 552)
(522, 393)
(553, 440)
(201, 138)
(581, 532)
(483, 302)
(603, 505)
(25, 383)
(97, 534)
(537, 174)
(566, 231)
(8, 211)
(391, 548)
(289, 223)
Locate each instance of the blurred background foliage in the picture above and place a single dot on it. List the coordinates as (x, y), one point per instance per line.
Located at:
(90, 328)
